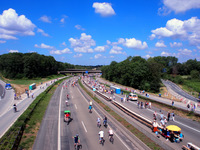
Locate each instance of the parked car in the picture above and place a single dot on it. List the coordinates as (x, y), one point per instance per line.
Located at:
(8, 86)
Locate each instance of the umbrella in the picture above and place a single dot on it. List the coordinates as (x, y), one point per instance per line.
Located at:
(173, 128)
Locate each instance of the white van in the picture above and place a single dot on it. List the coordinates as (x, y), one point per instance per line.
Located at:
(132, 97)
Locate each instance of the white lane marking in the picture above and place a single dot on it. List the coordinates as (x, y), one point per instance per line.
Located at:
(102, 119)
(75, 106)
(84, 126)
(59, 142)
(174, 121)
(188, 126)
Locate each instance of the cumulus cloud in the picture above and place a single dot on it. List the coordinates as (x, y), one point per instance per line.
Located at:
(104, 9)
(97, 56)
(147, 56)
(135, 44)
(185, 51)
(160, 44)
(100, 48)
(165, 54)
(116, 50)
(184, 30)
(78, 55)
(42, 32)
(12, 24)
(43, 46)
(178, 6)
(79, 27)
(59, 52)
(13, 51)
(45, 19)
(176, 44)
(83, 44)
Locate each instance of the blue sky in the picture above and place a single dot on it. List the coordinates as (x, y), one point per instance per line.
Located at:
(87, 32)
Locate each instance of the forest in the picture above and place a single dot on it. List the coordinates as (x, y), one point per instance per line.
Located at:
(33, 65)
(143, 74)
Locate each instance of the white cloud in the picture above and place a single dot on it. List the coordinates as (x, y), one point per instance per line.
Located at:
(176, 44)
(42, 32)
(79, 27)
(13, 24)
(179, 6)
(44, 46)
(62, 20)
(147, 56)
(13, 51)
(7, 37)
(64, 44)
(45, 19)
(185, 51)
(160, 44)
(165, 54)
(111, 56)
(108, 42)
(184, 30)
(97, 56)
(1, 42)
(83, 44)
(135, 44)
(78, 55)
(104, 9)
(116, 50)
(100, 48)
(152, 36)
(59, 52)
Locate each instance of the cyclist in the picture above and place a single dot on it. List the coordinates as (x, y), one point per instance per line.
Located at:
(98, 122)
(90, 103)
(105, 121)
(101, 134)
(15, 107)
(110, 132)
(76, 140)
(67, 96)
(90, 108)
(67, 103)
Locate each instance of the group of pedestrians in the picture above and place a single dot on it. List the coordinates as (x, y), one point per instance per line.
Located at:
(142, 104)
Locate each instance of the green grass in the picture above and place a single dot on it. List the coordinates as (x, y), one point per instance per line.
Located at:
(193, 84)
(30, 81)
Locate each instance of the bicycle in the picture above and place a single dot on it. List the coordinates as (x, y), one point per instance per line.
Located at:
(77, 146)
(102, 141)
(111, 139)
(98, 124)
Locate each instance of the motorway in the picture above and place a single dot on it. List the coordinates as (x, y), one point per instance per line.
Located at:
(190, 128)
(178, 90)
(54, 133)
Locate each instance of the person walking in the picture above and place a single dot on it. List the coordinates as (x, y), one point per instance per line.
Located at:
(188, 107)
(155, 115)
(173, 115)
(172, 103)
(149, 105)
(168, 116)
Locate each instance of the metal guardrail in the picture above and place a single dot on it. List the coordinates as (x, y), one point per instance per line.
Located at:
(139, 118)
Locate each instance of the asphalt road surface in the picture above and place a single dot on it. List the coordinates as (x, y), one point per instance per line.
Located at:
(54, 133)
(6, 98)
(178, 90)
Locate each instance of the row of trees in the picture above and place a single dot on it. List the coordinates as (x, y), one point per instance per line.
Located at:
(145, 74)
(32, 65)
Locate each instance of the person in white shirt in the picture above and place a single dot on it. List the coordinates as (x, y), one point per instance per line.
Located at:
(110, 133)
(101, 135)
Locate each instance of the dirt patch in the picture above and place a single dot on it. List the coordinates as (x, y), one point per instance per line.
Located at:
(19, 89)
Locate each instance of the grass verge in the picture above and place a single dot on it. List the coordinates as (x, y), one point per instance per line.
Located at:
(29, 121)
(150, 143)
